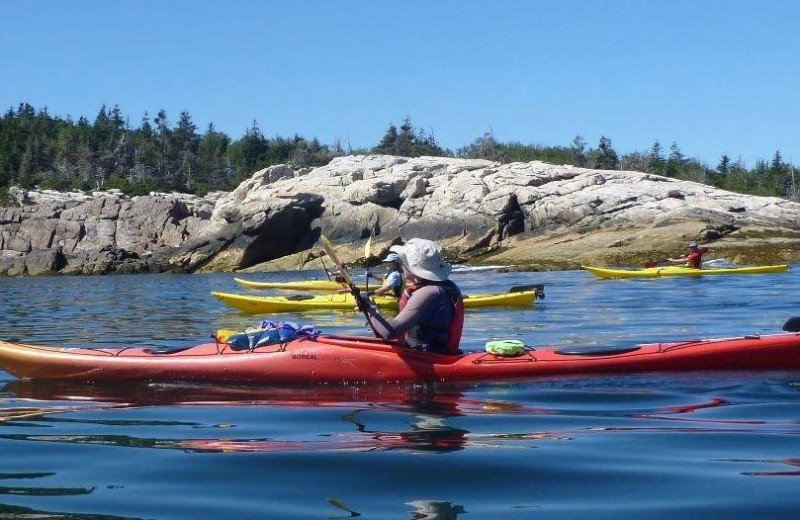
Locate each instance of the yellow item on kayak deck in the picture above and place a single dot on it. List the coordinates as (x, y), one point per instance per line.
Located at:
(673, 270)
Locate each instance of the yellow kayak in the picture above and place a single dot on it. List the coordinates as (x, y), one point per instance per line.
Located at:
(303, 302)
(677, 270)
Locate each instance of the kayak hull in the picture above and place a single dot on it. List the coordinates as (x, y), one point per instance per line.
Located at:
(300, 303)
(657, 272)
(350, 359)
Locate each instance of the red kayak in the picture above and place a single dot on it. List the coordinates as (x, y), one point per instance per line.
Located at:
(351, 359)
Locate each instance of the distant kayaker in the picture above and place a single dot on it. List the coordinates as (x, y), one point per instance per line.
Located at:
(336, 274)
(431, 316)
(694, 259)
(393, 281)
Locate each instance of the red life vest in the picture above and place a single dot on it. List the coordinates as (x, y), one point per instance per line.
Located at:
(456, 327)
(406, 295)
(695, 258)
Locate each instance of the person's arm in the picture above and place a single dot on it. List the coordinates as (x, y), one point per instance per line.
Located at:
(390, 281)
(407, 319)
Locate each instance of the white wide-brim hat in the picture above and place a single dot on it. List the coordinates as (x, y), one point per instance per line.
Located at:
(424, 259)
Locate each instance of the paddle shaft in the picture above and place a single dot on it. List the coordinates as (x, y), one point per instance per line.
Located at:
(326, 244)
(367, 254)
(325, 267)
(328, 247)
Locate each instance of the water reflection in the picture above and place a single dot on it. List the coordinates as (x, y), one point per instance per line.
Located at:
(785, 473)
(430, 409)
(10, 511)
(37, 491)
(435, 510)
(19, 512)
(423, 510)
(429, 398)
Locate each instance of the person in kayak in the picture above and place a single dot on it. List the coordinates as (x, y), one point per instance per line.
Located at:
(393, 281)
(694, 259)
(336, 275)
(431, 315)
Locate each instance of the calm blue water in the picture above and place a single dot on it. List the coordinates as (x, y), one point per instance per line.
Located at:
(671, 446)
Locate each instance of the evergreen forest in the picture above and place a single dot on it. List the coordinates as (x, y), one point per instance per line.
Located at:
(38, 149)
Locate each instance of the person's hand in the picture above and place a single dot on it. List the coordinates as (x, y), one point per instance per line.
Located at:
(363, 302)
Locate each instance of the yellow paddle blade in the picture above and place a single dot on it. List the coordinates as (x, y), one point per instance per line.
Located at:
(368, 248)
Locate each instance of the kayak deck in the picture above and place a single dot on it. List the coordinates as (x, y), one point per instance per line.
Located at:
(346, 359)
(673, 270)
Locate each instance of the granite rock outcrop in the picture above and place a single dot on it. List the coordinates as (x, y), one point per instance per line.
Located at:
(534, 215)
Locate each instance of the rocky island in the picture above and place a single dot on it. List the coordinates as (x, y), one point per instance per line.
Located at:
(531, 216)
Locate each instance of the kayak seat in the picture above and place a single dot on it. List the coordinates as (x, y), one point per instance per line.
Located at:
(300, 297)
(596, 350)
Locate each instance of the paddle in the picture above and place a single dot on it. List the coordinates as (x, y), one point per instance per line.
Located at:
(325, 267)
(367, 254)
(706, 263)
(539, 288)
(328, 247)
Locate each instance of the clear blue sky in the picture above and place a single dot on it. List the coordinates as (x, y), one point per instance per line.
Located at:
(715, 76)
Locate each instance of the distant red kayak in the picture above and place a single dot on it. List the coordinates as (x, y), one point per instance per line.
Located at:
(345, 359)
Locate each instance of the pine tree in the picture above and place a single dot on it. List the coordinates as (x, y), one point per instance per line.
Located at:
(720, 174)
(675, 163)
(164, 167)
(251, 152)
(388, 144)
(779, 181)
(185, 143)
(606, 157)
(655, 160)
(579, 151)
(405, 139)
(213, 151)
